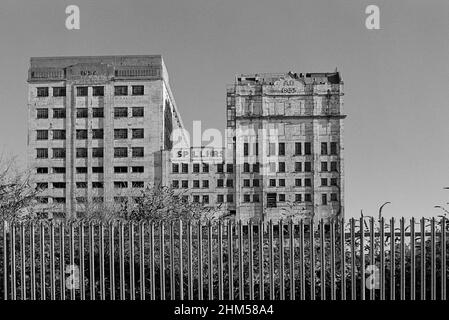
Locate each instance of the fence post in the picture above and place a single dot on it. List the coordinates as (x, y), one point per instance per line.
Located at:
(281, 259)
(423, 259)
(42, 259)
(353, 265)
(210, 265)
(332, 258)
(132, 288)
(392, 261)
(412, 259)
(251, 263)
(261, 261)
(443, 258)
(343, 258)
(111, 261)
(291, 228)
(382, 257)
(322, 260)
(220, 261)
(62, 258)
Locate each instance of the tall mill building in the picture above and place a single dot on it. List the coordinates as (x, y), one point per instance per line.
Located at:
(100, 127)
(286, 130)
(97, 127)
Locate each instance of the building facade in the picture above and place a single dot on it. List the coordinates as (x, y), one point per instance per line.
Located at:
(97, 127)
(100, 130)
(286, 131)
(283, 151)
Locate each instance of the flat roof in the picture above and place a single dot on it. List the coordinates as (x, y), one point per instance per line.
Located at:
(115, 60)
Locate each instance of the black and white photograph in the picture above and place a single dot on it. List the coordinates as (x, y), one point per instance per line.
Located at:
(220, 159)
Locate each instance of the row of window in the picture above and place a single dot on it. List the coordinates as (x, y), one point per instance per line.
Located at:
(95, 185)
(119, 152)
(298, 167)
(61, 200)
(256, 183)
(119, 112)
(205, 167)
(134, 169)
(97, 91)
(299, 150)
(205, 183)
(279, 167)
(272, 199)
(81, 134)
(298, 182)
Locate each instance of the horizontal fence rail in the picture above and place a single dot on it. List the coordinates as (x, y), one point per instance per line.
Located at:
(357, 259)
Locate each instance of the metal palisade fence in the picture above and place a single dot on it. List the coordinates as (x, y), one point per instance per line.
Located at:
(117, 260)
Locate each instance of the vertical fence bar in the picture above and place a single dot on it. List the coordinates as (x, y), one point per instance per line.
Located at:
(91, 262)
(189, 261)
(261, 262)
(12, 241)
(353, 278)
(42, 260)
(251, 261)
(271, 258)
(332, 259)
(230, 260)
(209, 264)
(132, 285)
(402, 258)
(372, 255)
(362, 258)
(443, 258)
(23, 264)
(62, 256)
(281, 260)
(172, 260)
(343, 258)
(423, 258)
(72, 258)
(32, 263)
(312, 260)
(302, 271)
(412, 259)
(240, 239)
(81, 256)
(152, 258)
(432, 260)
(142, 259)
(181, 266)
(52, 261)
(322, 261)
(162, 259)
(382, 257)
(392, 261)
(111, 261)
(200, 260)
(121, 254)
(220, 261)
(5, 261)
(291, 231)
(101, 253)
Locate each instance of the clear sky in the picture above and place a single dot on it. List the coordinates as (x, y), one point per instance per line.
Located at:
(396, 78)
